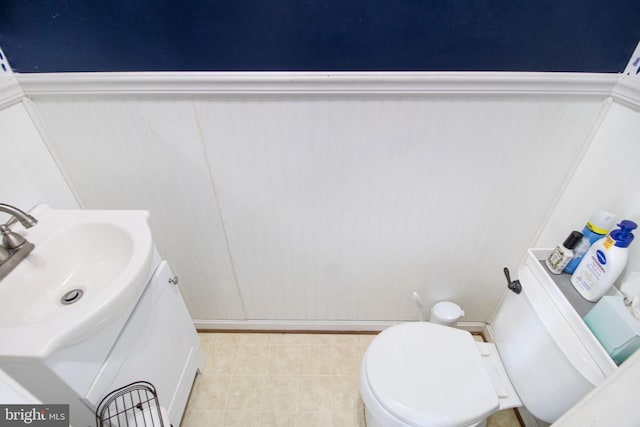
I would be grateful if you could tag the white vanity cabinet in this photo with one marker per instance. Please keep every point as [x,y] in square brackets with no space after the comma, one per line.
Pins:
[154,340]
[94,308]
[158,344]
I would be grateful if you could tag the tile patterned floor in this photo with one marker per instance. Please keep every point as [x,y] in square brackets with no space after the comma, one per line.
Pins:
[292,380]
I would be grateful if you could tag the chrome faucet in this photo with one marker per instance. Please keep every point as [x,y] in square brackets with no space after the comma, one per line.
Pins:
[18,215]
[14,247]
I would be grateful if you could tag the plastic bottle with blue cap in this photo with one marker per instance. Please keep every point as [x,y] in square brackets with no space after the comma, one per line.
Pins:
[596,228]
[603,263]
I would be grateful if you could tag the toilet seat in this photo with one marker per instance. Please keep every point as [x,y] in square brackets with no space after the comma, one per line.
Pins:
[429,375]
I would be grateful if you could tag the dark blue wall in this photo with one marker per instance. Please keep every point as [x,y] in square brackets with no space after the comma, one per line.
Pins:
[319,35]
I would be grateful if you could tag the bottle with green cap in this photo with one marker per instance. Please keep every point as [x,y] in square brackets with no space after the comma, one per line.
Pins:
[603,263]
[597,227]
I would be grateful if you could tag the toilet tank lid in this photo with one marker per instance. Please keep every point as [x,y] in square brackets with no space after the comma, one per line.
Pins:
[428,374]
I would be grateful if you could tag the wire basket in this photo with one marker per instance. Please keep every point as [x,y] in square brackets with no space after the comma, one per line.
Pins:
[134,405]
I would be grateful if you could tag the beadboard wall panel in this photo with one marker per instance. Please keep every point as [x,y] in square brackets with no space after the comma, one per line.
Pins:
[341,208]
[137,154]
[327,207]
[29,174]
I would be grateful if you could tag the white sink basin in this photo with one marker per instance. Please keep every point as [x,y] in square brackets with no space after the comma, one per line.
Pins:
[87,268]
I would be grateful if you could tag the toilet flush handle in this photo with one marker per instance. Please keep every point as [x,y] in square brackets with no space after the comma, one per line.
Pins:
[514,285]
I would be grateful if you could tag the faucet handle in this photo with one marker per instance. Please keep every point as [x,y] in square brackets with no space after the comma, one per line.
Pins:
[11,240]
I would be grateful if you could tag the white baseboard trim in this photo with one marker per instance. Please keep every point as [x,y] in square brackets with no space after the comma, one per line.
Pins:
[488,333]
[477,327]
[292,325]
[311,325]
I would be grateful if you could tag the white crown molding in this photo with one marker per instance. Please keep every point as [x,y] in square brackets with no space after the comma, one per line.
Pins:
[624,89]
[10,92]
[627,91]
[194,84]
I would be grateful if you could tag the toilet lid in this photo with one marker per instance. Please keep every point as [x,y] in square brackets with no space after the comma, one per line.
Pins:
[429,375]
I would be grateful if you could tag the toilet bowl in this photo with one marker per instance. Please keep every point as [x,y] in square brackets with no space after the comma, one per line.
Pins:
[425,374]
[421,374]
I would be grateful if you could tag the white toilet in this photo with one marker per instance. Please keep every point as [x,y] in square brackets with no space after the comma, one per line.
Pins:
[423,374]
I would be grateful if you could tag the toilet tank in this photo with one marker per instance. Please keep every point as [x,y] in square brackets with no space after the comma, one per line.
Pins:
[549,354]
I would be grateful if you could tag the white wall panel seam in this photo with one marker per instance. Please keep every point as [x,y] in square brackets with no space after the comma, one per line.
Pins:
[219,208]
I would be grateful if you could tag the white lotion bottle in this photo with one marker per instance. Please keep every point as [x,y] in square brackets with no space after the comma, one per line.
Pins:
[603,263]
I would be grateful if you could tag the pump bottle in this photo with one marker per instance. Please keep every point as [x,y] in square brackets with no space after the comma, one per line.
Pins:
[604,262]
